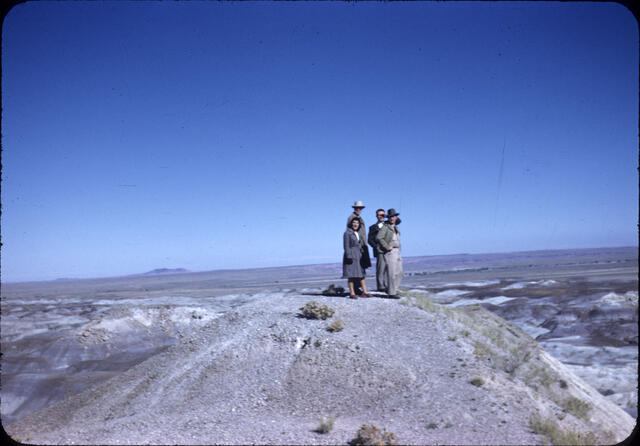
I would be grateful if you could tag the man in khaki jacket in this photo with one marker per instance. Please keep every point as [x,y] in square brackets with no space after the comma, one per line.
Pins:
[388,240]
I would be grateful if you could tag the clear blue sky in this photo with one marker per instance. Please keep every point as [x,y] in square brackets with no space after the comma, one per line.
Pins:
[206,135]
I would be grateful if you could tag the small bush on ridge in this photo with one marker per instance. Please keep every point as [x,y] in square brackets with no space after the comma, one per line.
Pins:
[313,310]
[370,435]
[577,407]
[326,425]
[336,326]
[558,436]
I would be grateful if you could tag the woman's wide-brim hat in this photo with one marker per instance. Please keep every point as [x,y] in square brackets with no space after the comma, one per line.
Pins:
[358,204]
[391,212]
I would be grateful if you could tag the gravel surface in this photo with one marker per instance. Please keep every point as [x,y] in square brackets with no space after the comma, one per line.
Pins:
[261,374]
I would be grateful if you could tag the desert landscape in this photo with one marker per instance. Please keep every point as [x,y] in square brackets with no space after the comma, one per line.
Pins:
[517,348]
[177,181]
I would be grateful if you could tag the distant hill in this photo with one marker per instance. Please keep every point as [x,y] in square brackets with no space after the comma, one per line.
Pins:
[159,271]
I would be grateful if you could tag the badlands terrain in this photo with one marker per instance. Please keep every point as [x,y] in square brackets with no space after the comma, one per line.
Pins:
[518,348]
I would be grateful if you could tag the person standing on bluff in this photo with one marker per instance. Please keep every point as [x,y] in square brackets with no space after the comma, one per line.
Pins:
[381,273]
[353,267]
[388,240]
[357,210]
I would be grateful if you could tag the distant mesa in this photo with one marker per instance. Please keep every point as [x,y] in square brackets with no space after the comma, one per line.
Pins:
[159,271]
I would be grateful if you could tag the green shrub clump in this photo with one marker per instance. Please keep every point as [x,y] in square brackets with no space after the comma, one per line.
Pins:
[370,435]
[313,310]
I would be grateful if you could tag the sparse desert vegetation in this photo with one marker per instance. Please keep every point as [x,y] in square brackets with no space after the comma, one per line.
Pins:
[577,407]
[337,325]
[314,310]
[392,364]
[506,348]
[555,435]
[370,435]
[326,425]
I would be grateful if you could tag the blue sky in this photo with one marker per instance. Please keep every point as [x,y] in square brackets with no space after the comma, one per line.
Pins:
[207,135]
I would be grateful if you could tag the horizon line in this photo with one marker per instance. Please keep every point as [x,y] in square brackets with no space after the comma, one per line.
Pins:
[186,271]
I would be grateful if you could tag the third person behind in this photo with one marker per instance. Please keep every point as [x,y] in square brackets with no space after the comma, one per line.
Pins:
[381,273]
[388,240]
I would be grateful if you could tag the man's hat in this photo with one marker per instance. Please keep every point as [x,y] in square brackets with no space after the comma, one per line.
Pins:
[391,212]
[358,204]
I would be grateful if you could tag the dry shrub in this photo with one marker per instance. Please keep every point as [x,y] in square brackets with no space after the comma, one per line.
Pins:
[577,407]
[313,310]
[370,435]
[326,425]
[557,436]
[336,326]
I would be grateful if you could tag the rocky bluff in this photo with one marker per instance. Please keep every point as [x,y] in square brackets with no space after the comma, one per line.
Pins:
[262,373]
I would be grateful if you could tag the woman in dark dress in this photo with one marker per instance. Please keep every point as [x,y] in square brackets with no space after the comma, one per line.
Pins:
[353,260]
